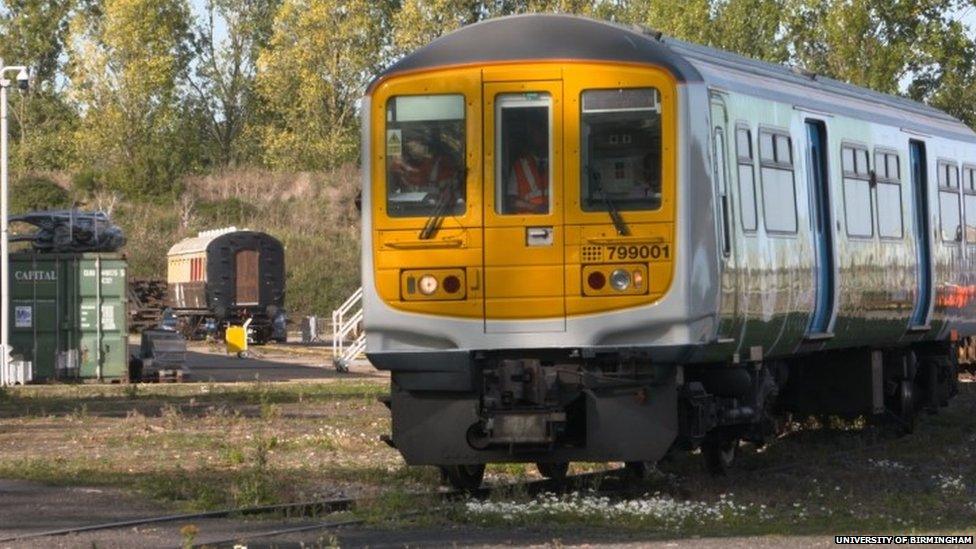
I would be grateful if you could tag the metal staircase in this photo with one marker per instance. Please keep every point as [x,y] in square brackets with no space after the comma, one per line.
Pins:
[347,322]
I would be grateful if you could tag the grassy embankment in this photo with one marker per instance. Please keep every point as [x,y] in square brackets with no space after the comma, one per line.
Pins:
[204,446]
[312,213]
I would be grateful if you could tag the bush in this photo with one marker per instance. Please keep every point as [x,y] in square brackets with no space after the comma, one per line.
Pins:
[35,193]
[86,182]
[228,211]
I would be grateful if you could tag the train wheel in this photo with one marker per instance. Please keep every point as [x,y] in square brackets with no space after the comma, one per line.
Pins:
[466,478]
[640,470]
[719,451]
[553,471]
[905,407]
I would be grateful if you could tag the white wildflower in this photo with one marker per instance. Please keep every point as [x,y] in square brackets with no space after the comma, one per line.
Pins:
[950,484]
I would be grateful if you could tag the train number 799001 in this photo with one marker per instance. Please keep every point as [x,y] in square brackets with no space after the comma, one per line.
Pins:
[639,251]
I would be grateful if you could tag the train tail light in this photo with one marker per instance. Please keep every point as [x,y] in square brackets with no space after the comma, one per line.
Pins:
[452,284]
[596,280]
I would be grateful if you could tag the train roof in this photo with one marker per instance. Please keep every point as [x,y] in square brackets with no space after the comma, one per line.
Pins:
[564,37]
[203,239]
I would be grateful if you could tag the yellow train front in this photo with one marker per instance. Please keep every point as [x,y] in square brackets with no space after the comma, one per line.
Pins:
[498,276]
[583,242]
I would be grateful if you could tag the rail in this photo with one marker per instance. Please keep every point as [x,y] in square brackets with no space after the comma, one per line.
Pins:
[346,321]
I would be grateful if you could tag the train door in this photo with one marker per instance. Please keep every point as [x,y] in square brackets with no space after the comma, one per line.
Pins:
[523,219]
[247,277]
[920,208]
[819,184]
[730,324]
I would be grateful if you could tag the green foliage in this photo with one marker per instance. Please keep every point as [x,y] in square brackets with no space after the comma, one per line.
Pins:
[224,78]
[126,61]
[35,193]
[228,211]
[86,182]
[319,58]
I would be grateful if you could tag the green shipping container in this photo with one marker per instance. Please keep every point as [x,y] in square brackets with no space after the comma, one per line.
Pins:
[68,315]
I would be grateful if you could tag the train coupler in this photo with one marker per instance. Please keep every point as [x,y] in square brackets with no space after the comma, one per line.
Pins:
[531,428]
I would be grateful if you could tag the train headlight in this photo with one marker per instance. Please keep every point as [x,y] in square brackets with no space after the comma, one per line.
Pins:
[620,280]
[427,285]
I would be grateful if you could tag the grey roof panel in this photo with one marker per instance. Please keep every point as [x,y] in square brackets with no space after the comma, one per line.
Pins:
[701,54]
[528,37]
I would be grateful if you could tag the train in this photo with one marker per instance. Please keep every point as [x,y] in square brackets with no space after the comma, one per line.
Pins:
[590,242]
[226,277]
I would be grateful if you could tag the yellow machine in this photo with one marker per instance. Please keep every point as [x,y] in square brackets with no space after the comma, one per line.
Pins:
[236,339]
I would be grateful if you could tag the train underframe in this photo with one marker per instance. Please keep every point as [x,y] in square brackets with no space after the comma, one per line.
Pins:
[557,406]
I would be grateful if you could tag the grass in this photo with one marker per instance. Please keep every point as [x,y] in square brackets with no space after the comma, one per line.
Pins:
[204,446]
[209,446]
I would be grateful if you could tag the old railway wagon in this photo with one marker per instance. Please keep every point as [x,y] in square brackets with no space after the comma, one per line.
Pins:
[227,276]
[589,242]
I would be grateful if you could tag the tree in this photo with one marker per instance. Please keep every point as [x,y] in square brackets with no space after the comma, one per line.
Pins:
[321,55]
[870,43]
[749,27]
[224,79]
[946,77]
[125,62]
[34,33]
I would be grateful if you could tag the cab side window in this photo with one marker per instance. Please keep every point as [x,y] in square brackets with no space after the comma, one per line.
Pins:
[858,210]
[747,178]
[969,202]
[951,222]
[778,187]
[887,169]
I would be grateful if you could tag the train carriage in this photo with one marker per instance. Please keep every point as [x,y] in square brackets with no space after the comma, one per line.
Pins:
[590,242]
[227,276]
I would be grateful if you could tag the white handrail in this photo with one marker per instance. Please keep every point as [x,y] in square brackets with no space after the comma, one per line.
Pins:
[342,326]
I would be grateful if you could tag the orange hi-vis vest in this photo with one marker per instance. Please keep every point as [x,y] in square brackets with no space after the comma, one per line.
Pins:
[532,184]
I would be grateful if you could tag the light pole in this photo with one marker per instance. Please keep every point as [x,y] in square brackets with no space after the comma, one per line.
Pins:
[22,80]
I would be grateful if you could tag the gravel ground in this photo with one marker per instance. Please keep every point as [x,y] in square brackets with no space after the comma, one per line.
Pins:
[287,362]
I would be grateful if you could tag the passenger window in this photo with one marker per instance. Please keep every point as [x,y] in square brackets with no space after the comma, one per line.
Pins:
[779,191]
[888,172]
[949,202]
[747,179]
[523,169]
[425,143]
[620,132]
[858,211]
[969,202]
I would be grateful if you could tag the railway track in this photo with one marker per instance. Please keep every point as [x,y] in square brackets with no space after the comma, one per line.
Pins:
[316,509]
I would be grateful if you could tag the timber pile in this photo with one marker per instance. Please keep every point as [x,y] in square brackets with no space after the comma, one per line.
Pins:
[147,299]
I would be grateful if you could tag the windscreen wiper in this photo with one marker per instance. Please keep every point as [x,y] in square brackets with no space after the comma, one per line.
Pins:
[618,220]
[445,202]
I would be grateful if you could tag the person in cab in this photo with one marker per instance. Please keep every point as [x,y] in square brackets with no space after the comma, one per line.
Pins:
[423,167]
[528,180]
